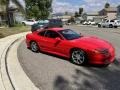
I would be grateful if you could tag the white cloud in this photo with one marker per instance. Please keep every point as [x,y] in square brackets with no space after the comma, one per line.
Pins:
[94,5]
[95,1]
[22,2]
[88,5]
[63,7]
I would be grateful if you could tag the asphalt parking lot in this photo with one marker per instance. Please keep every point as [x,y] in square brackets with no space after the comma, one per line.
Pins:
[49,72]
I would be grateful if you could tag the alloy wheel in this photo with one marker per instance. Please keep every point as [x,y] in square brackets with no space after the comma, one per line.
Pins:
[78,57]
[34,47]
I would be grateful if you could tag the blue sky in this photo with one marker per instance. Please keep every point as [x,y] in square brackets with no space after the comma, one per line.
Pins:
[88,5]
[73,5]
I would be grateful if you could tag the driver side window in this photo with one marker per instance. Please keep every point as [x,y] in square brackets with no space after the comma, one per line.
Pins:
[42,33]
[52,34]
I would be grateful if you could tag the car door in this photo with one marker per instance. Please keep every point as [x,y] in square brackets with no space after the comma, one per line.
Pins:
[49,41]
[41,39]
[56,43]
[105,23]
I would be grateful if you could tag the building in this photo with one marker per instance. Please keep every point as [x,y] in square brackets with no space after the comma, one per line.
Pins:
[2,15]
[79,20]
[98,19]
[118,12]
[90,16]
[15,15]
[19,17]
[110,13]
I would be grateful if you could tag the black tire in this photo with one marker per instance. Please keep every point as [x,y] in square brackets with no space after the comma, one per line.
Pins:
[79,58]
[105,65]
[24,24]
[99,25]
[115,26]
[34,46]
[103,26]
[61,26]
[110,26]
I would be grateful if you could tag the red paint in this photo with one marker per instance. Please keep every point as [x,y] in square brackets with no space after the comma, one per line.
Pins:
[62,47]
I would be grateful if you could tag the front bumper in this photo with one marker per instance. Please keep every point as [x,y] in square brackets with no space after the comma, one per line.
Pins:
[102,58]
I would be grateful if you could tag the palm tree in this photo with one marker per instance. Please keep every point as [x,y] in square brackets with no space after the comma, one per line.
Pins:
[9,12]
[107,5]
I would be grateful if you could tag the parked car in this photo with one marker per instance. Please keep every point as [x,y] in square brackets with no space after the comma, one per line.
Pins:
[29,22]
[85,23]
[92,23]
[108,23]
[68,23]
[117,22]
[55,23]
[77,48]
[89,23]
[41,24]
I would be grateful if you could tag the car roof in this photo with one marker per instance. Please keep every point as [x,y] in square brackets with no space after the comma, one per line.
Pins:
[55,29]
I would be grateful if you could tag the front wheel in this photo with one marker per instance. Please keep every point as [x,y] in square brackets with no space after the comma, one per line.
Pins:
[34,46]
[110,26]
[99,25]
[78,57]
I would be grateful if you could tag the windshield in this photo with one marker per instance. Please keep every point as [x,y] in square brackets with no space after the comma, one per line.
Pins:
[69,34]
[43,22]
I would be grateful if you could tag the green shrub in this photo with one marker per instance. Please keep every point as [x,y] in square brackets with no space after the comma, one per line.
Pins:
[18,25]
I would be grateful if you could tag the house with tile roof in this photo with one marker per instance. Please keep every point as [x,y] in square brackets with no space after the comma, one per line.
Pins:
[15,15]
[118,12]
[90,16]
[110,13]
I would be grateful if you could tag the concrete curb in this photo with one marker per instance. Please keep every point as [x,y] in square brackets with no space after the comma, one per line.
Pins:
[6,84]
[12,76]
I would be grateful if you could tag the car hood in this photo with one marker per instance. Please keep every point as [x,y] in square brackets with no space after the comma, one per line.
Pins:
[91,43]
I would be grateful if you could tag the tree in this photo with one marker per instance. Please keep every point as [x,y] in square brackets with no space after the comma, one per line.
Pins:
[9,13]
[38,9]
[80,11]
[66,13]
[84,16]
[76,14]
[72,19]
[107,5]
[118,10]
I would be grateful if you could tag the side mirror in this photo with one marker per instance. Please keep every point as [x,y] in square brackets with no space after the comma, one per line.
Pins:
[58,39]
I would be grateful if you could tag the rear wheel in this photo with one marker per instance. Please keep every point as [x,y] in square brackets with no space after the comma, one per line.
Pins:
[115,26]
[34,46]
[78,57]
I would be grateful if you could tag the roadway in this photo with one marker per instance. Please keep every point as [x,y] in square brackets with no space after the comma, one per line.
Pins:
[54,73]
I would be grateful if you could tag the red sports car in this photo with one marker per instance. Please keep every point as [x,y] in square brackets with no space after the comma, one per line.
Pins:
[67,43]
